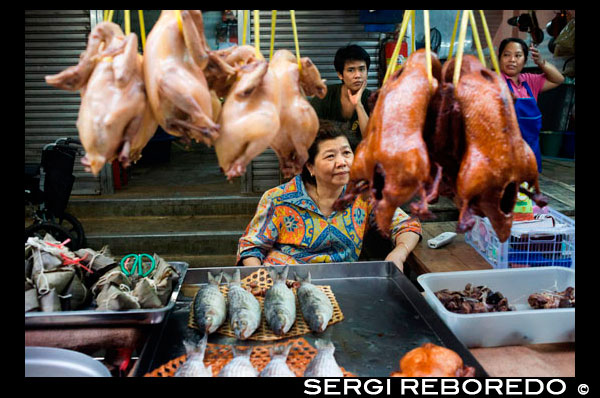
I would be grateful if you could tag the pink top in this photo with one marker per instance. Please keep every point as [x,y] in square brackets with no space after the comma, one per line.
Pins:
[534,80]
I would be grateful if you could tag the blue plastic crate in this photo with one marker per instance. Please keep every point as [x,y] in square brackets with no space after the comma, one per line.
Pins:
[542,248]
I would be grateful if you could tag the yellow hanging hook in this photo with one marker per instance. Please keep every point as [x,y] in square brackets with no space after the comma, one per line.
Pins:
[293,15]
[461,46]
[476,38]
[490,45]
[428,46]
[273,19]
[394,58]
[453,35]
[142,28]
[245,27]
[257,33]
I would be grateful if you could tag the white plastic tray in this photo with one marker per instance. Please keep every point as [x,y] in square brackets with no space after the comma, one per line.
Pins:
[522,326]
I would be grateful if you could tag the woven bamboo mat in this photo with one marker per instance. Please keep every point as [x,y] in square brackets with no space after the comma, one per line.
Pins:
[262,280]
[219,355]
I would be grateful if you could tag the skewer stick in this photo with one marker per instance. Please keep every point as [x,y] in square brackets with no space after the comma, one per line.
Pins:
[127,22]
[476,38]
[293,15]
[394,58]
[428,46]
[273,19]
[461,46]
[488,39]
[453,34]
[245,27]
[142,28]
[256,33]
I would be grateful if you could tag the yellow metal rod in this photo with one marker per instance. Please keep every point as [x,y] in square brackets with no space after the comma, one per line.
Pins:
[127,22]
[293,16]
[273,20]
[428,46]
[142,28]
[105,15]
[394,59]
[461,46]
[490,44]
[476,38]
[453,34]
[110,15]
[412,32]
[245,27]
[256,33]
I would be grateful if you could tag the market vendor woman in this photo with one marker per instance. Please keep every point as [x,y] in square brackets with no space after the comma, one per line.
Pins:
[295,222]
[347,101]
[526,87]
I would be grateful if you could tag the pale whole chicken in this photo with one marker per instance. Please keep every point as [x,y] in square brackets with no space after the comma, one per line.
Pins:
[114,118]
[249,118]
[298,120]
[174,58]
[496,160]
[392,164]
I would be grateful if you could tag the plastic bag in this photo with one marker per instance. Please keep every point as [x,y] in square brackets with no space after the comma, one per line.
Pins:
[565,42]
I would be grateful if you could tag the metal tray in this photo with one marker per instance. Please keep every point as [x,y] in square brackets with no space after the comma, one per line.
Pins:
[94,318]
[58,362]
[385,316]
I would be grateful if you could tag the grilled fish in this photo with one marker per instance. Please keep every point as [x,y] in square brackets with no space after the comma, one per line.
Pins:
[277,367]
[194,365]
[280,303]
[209,305]
[315,305]
[244,308]
[240,365]
[323,364]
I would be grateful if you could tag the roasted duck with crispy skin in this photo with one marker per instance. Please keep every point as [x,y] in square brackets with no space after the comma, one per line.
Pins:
[431,360]
[114,119]
[298,120]
[496,159]
[174,58]
[392,164]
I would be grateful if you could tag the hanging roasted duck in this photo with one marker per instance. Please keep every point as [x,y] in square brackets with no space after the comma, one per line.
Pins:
[115,119]
[391,164]
[175,56]
[496,159]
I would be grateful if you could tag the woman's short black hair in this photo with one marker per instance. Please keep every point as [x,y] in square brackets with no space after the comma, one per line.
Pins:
[504,42]
[327,131]
[352,52]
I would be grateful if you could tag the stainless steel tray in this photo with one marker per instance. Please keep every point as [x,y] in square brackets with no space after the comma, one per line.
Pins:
[95,318]
[58,362]
[385,316]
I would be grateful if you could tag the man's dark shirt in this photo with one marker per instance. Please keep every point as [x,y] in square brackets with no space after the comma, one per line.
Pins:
[330,108]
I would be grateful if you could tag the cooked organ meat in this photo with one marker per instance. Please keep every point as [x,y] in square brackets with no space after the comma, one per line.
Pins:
[392,164]
[114,119]
[174,58]
[473,299]
[496,159]
[553,299]
[431,360]
[298,120]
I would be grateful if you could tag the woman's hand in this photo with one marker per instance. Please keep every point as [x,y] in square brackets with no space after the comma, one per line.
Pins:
[536,56]
[397,257]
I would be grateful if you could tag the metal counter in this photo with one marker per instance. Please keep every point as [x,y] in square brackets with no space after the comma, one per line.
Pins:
[385,316]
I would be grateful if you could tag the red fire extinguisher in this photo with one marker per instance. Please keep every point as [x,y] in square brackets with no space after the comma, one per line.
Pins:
[387,49]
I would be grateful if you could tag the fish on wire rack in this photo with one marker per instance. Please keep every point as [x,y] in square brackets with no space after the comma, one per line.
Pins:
[314,304]
[324,363]
[244,309]
[194,364]
[210,308]
[277,366]
[240,365]
[280,302]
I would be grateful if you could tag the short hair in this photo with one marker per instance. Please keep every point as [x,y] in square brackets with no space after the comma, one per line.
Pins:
[328,130]
[504,42]
[352,52]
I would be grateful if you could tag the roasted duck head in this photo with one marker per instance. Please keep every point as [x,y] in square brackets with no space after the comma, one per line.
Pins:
[114,119]
[496,159]
[175,56]
[431,360]
[298,120]
[391,164]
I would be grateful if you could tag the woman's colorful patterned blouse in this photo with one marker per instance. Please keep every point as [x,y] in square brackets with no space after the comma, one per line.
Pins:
[288,228]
